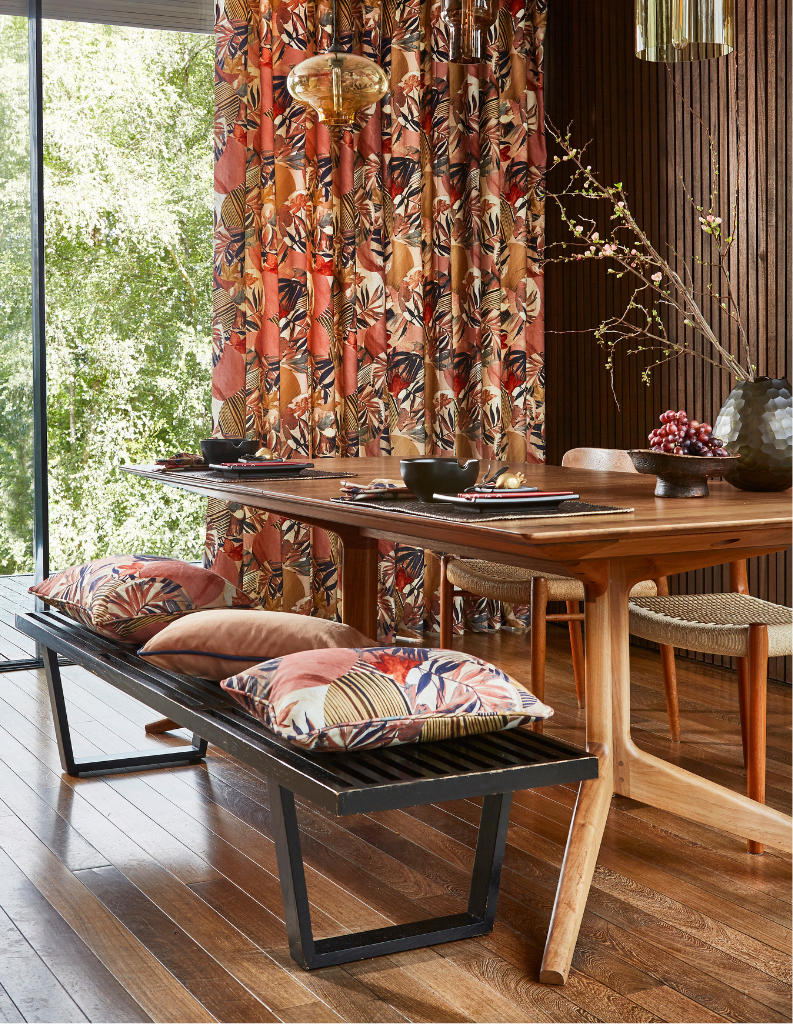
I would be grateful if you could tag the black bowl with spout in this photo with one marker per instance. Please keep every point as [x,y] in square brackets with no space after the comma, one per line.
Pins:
[426,477]
[228,449]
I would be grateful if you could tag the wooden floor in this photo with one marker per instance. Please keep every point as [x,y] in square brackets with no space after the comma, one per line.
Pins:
[154,895]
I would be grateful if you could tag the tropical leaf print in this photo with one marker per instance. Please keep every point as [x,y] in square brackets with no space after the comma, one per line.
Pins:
[341,699]
[437,194]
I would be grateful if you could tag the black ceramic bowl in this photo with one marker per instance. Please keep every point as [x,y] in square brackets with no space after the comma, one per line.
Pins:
[425,477]
[681,476]
[228,449]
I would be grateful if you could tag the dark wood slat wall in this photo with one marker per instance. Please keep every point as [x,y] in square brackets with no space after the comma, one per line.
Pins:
[643,136]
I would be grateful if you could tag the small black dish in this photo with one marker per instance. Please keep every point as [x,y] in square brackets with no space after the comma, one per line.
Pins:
[425,477]
[228,449]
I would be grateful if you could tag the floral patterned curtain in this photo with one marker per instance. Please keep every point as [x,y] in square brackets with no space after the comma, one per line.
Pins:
[438,192]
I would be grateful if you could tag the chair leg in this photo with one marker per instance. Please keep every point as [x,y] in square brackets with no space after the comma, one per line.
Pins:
[743,705]
[539,603]
[758,685]
[670,690]
[670,675]
[577,648]
[447,606]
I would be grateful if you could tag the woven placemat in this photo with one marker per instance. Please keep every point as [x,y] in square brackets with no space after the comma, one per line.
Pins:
[437,510]
[213,474]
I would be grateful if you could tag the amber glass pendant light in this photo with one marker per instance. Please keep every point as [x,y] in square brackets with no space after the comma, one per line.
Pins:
[336,83]
[468,22]
[681,30]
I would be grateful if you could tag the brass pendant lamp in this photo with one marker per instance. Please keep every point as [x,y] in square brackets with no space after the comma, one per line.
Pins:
[468,22]
[683,30]
[336,83]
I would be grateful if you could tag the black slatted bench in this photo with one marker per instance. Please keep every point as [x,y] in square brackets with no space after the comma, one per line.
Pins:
[490,766]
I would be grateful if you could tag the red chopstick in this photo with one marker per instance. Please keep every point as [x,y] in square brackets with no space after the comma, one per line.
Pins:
[518,494]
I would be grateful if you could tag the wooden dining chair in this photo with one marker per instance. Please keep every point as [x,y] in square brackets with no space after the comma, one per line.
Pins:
[734,624]
[528,586]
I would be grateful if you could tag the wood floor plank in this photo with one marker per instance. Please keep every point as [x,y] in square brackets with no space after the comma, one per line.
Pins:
[639,876]
[348,997]
[660,852]
[149,983]
[593,997]
[763,987]
[308,1013]
[672,1006]
[202,976]
[70,847]
[29,985]
[9,1012]
[391,984]
[201,821]
[363,888]
[476,1000]
[242,960]
[89,983]
[773,861]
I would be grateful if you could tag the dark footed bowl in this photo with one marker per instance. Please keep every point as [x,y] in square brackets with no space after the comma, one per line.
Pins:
[228,449]
[425,477]
[681,476]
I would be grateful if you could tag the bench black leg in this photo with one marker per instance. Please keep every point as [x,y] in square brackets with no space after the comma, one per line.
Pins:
[134,759]
[342,949]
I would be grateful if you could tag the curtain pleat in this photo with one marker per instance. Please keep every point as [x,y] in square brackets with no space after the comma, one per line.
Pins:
[437,195]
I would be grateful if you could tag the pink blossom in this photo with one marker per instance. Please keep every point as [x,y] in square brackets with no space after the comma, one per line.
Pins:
[657,277]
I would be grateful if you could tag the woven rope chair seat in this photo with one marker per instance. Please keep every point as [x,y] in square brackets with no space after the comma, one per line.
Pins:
[712,623]
[513,585]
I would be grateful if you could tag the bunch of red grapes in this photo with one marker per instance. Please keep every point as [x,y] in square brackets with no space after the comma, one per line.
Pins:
[681,436]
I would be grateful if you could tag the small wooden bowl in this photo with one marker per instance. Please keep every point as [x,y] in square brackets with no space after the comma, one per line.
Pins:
[681,476]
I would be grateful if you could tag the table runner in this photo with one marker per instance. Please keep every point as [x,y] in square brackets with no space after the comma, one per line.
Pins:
[213,474]
[437,510]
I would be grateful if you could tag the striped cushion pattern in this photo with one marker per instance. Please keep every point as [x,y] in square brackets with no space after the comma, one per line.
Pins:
[353,699]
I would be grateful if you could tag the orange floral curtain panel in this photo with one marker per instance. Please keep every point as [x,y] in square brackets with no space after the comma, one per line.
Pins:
[438,192]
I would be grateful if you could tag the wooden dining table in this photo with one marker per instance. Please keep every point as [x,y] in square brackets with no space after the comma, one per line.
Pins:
[609,554]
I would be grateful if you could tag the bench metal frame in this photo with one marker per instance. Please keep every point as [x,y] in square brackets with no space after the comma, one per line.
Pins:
[490,765]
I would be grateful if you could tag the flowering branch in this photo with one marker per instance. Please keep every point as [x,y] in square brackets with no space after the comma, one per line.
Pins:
[658,284]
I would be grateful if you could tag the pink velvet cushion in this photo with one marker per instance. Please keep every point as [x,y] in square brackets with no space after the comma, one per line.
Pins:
[221,642]
[132,597]
[383,696]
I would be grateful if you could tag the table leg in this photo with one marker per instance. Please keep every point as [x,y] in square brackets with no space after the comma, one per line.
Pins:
[359,582]
[594,798]
[647,778]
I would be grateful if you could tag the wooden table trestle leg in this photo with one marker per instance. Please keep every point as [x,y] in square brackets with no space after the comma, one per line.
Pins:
[594,796]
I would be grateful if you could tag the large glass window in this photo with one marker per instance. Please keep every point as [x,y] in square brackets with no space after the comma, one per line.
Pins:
[128,119]
[16,359]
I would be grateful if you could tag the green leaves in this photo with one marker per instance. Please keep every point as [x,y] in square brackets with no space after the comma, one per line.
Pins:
[128,122]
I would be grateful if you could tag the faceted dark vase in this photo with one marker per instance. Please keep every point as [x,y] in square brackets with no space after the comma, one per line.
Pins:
[757,422]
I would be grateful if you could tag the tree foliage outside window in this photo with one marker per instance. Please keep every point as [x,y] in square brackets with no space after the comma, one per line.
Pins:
[128,120]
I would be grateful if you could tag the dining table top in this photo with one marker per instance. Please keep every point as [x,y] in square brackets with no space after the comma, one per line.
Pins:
[725,521]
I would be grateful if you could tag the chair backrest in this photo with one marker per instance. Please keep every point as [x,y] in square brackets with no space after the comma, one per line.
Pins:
[610,460]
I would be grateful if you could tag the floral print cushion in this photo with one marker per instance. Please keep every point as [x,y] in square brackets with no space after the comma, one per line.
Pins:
[132,597]
[354,699]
